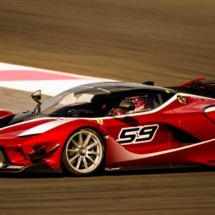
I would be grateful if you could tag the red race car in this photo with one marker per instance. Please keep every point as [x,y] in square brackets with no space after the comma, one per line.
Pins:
[113,126]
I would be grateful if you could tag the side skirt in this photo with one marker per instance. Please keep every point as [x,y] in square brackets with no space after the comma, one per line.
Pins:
[160,167]
[37,168]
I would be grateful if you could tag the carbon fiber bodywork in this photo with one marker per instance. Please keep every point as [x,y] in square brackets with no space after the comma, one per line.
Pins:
[197,87]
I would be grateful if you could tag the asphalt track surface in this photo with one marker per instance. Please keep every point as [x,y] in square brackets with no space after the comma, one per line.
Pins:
[164,40]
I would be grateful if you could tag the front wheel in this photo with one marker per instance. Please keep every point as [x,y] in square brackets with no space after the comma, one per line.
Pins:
[84,153]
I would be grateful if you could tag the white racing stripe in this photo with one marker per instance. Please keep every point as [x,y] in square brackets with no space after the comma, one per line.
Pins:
[25,122]
[43,128]
[177,149]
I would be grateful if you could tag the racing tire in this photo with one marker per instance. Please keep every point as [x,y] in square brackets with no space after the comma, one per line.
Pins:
[84,153]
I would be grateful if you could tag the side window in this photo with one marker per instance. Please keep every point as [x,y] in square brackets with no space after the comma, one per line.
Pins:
[152,101]
[142,103]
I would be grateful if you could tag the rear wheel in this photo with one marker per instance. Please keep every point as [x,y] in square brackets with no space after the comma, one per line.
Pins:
[84,153]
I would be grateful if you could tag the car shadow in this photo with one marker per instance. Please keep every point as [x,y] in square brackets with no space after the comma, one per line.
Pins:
[32,175]
[60,174]
[160,171]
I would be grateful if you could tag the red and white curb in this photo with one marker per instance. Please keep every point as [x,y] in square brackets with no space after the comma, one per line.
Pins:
[32,79]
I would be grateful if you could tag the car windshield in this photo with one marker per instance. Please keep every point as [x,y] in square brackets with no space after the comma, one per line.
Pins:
[75,98]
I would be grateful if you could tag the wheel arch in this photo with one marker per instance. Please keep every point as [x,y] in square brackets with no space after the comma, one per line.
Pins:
[101,130]
[85,127]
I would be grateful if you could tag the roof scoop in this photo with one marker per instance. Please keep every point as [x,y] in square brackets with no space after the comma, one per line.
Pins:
[150,83]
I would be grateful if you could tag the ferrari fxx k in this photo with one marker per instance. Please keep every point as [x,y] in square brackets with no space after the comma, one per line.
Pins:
[112,126]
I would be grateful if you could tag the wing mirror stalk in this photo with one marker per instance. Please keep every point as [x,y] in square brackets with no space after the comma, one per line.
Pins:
[36,96]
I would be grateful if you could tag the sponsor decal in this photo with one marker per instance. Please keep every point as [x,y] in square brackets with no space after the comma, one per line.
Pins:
[167,91]
[106,136]
[137,135]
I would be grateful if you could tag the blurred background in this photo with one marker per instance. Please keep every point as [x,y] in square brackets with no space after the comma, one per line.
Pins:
[165,41]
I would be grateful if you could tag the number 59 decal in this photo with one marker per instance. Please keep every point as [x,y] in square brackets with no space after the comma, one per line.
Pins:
[137,134]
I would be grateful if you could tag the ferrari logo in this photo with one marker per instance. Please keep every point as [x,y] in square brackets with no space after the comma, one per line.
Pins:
[167,91]
[100,121]
[182,100]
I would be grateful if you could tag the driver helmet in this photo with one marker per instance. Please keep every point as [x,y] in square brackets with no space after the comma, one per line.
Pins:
[139,103]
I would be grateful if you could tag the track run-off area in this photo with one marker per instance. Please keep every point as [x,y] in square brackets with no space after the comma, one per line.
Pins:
[165,41]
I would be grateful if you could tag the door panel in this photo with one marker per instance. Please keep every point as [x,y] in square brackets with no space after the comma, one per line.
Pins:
[144,134]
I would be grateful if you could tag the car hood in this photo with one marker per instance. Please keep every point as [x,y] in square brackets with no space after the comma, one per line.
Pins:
[16,129]
[27,124]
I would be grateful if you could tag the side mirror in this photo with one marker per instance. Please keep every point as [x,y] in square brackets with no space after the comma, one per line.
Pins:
[36,96]
[127,105]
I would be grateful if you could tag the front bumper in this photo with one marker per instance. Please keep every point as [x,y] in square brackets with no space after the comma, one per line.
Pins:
[6,167]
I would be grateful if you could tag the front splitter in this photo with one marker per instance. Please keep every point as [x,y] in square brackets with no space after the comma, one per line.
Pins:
[42,167]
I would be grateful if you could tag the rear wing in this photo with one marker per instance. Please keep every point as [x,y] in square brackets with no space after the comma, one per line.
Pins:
[197,86]
[193,81]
